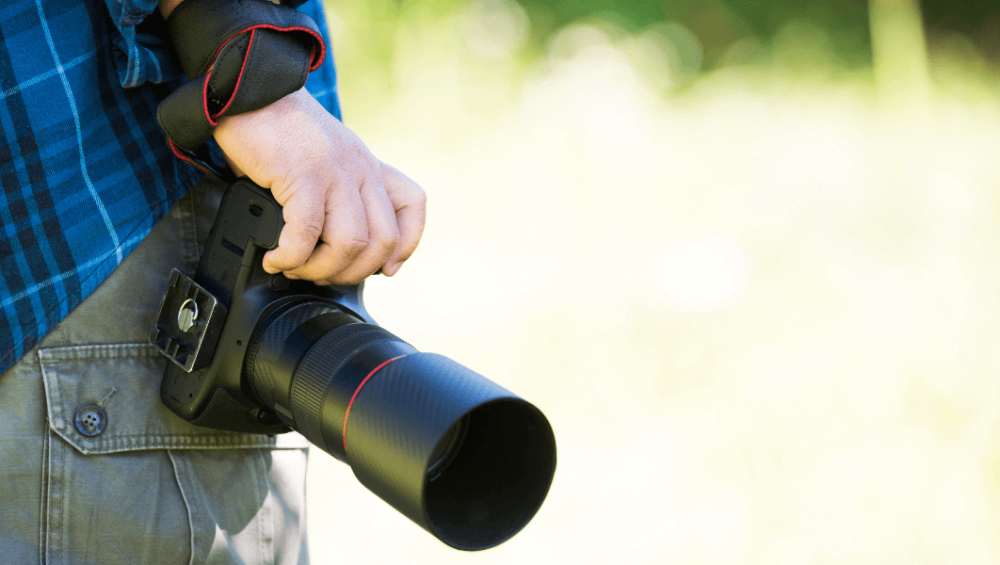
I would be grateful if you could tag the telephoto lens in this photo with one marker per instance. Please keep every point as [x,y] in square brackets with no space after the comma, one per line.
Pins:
[462,457]
[253,352]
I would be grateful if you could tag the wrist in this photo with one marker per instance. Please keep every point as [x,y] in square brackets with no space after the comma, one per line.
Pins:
[240,57]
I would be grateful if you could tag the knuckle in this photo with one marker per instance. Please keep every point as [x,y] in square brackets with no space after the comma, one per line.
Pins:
[387,243]
[357,153]
[354,247]
[310,232]
[418,198]
[298,256]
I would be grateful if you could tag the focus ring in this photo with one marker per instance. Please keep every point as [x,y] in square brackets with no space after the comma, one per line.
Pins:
[264,364]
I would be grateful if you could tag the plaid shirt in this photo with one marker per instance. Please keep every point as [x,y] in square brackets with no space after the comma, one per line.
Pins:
[85,170]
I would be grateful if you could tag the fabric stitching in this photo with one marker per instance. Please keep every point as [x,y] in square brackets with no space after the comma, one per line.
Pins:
[51,358]
[187,505]
[43,511]
[224,56]
[163,441]
[61,502]
[55,355]
[239,79]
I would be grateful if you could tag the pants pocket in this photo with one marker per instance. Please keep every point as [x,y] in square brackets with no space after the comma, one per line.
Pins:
[244,506]
[127,481]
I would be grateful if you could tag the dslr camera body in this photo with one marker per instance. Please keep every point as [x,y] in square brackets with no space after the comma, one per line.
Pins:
[253,352]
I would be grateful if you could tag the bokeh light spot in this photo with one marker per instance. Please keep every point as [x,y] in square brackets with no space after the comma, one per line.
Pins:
[701,275]
[493,28]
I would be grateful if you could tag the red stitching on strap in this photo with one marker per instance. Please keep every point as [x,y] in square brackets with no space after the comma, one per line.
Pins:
[312,52]
[183,156]
[204,99]
[315,62]
[239,80]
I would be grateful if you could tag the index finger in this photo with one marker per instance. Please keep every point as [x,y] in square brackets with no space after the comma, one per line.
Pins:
[410,203]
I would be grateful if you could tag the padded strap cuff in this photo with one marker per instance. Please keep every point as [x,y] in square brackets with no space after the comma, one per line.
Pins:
[262,53]
[200,28]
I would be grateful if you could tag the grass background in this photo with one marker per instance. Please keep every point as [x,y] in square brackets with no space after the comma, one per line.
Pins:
[752,281]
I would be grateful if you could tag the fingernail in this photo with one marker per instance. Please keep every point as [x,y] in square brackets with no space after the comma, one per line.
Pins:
[291,277]
[391,270]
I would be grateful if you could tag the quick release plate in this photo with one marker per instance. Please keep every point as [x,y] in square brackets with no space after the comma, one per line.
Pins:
[188,323]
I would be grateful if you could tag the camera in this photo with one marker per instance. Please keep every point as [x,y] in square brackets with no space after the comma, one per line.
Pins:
[253,352]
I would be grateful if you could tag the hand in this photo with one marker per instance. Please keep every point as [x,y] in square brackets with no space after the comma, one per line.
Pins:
[347,214]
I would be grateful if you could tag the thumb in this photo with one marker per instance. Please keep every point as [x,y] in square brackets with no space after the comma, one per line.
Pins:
[304,216]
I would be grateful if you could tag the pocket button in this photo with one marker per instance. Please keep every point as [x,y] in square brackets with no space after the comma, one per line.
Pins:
[90,420]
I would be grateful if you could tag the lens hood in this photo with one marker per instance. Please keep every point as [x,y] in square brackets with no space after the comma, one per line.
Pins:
[496,464]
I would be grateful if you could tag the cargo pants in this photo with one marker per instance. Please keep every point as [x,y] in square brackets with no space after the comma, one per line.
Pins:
[95,470]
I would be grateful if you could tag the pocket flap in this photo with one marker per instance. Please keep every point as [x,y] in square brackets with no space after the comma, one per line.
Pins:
[123,381]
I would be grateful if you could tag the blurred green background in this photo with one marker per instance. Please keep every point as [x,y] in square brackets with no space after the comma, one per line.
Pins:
[743,254]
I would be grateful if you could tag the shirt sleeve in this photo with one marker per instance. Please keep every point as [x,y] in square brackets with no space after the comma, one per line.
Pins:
[322,83]
[142,52]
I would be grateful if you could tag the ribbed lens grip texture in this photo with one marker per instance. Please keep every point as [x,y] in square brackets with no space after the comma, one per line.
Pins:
[315,374]
[264,352]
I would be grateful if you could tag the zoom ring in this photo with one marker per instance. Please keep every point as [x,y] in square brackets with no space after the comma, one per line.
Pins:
[316,375]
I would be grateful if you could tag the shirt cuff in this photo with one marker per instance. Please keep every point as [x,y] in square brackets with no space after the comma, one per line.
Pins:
[142,53]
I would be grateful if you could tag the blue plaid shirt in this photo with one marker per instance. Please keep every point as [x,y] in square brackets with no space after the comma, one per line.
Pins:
[85,170]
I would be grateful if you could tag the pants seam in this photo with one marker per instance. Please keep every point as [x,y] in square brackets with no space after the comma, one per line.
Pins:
[43,511]
[184,497]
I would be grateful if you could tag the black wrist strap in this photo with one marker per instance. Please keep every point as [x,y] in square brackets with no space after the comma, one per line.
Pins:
[240,56]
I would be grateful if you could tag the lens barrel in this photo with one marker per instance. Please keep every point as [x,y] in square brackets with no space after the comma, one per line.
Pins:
[456,453]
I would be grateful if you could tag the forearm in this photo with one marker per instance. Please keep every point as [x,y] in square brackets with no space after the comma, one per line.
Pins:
[347,214]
